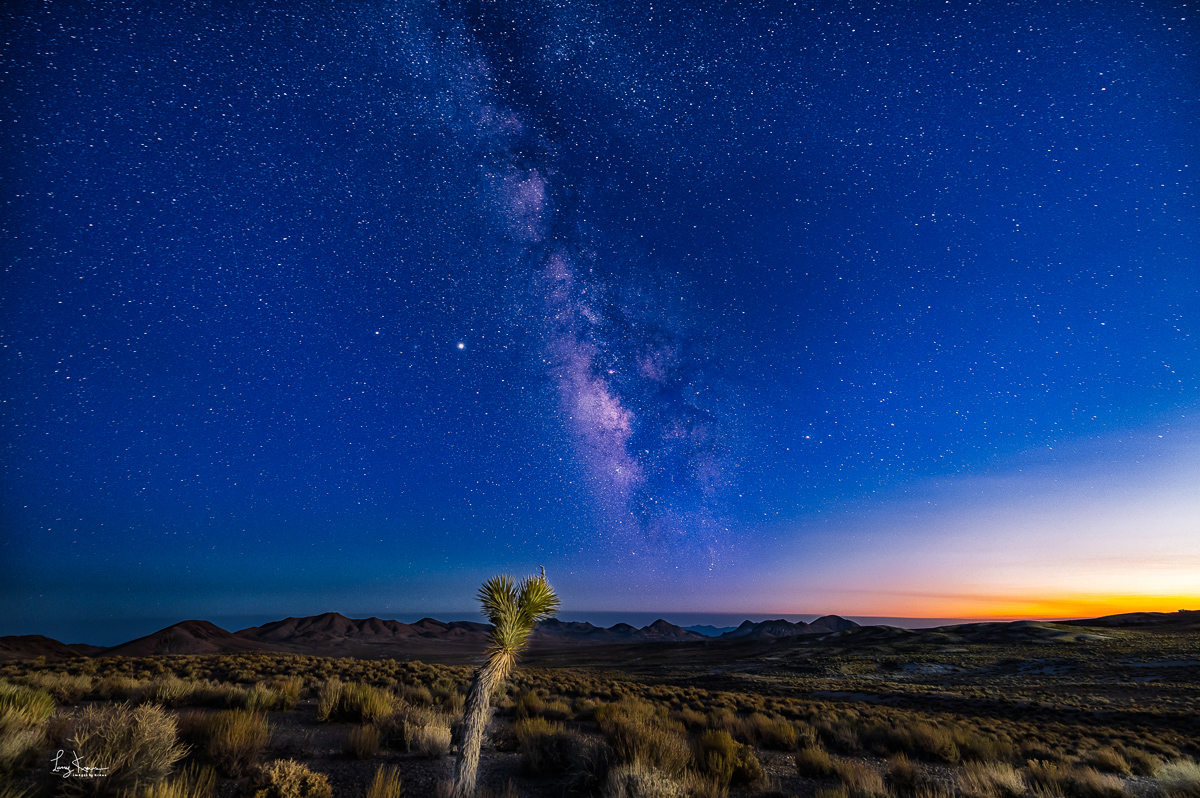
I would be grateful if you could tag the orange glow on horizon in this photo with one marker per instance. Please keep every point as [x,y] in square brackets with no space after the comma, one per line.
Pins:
[1010,608]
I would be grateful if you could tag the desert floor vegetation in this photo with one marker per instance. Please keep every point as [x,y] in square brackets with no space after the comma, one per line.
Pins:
[1113,717]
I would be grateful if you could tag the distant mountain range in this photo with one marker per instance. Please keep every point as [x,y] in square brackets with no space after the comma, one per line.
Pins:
[333,634]
[782,628]
[708,630]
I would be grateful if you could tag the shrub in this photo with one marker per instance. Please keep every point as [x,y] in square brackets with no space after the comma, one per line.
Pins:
[640,781]
[776,733]
[590,762]
[386,784]
[236,738]
[362,742]
[545,747]
[288,778]
[416,694]
[557,709]
[814,763]
[529,705]
[135,744]
[726,761]
[1180,777]
[990,780]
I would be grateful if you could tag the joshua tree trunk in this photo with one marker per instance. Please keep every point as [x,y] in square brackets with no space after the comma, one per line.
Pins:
[476,715]
[513,611]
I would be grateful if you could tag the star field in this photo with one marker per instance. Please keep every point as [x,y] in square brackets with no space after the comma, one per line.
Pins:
[311,307]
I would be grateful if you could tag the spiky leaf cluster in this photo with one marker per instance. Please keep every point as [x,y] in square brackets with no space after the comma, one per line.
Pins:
[513,609]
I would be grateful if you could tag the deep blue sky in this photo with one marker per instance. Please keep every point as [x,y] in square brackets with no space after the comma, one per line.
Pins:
[745,307]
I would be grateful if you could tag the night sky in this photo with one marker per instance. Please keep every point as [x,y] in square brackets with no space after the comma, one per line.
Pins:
[748,307]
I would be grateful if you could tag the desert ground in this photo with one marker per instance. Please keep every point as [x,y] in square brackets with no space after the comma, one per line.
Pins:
[1103,708]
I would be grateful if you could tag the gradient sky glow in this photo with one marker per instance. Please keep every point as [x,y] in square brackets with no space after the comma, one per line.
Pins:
[761,308]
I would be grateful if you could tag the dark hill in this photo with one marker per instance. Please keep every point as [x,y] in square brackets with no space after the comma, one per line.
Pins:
[33,646]
[187,637]
[1183,620]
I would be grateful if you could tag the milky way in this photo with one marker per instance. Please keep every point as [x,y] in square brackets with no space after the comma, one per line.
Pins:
[627,374]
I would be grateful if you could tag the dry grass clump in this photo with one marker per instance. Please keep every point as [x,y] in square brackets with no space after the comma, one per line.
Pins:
[814,763]
[168,690]
[386,783]
[1074,781]
[934,789]
[236,738]
[288,778]
[287,691]
[135,744]
[692,720]
[990,780]
[1109,760]
[1180,778]
[903,775]
[840,734]
[1142,763]
[259,698]
[329,697]
[642,733]
[362,742]
[417,728]
[192,782]
[21,705]
[23,711]
[355,702]
[860,780]
[637,780]
[64,687]
[117,687]
[529,705]
[432,739]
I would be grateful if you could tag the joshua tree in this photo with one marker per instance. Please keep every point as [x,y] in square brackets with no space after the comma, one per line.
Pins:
[512,609]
